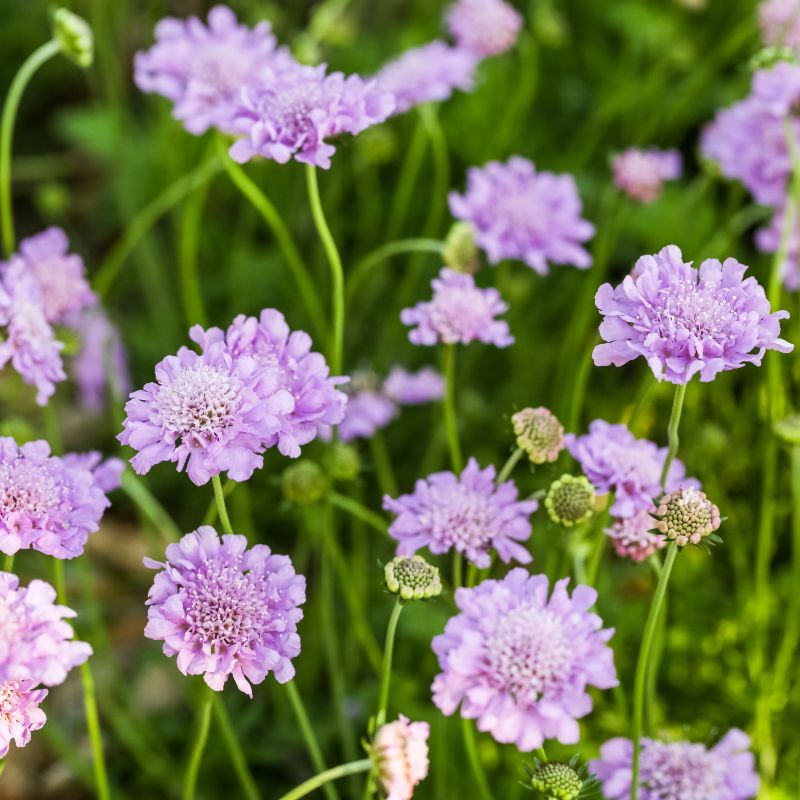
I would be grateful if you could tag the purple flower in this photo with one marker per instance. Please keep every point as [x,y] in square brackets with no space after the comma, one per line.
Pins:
[48,503]
[633,537]
[680,770]
[484,27]
[203,68]
[519,213]
[768,240]
[414,388]
[35,642]
[292,114]
[20,714]
[640,173]
[225,610]
[613,459]
[780,22]
[368,410]
[288,367]
[467,513]
[519,662]
[459,313]
[686,321]
[106,473]
[427,74]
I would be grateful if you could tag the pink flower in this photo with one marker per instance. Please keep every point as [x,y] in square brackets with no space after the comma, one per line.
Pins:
[20,714]
[401,757]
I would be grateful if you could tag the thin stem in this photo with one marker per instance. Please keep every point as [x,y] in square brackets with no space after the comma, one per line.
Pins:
[450,421]
[29,67]
[383,465]
[672,432]
[222,510]
[642,664]
[335,264]
[196,756]
[458,570]
[386,672]
[324,778]
[596,556]
[508,467]
[358,510]
[8,564]
[471,747]
[151,508]
[441,165]
[235,750]
[415,153]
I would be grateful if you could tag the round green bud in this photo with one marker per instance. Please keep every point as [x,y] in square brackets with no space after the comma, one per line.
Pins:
[343,462]
[570,500]
[74,36]
[412,577]
[460,251]
[557,781]
[304,483]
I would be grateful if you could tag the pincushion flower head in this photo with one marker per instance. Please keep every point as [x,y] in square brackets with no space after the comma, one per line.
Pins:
[484,27]
[202,68]
[223,609]
[36,643]
[640,173]
[780,22]
[686,516]
[20,714]
[539,434]
[292,114]
[459,313]
[466,513]
[519,661]
[400,754]
[635,537]
[686,321]
[413,388]
[412,577]
[368,408]
[519,213]
[680,770]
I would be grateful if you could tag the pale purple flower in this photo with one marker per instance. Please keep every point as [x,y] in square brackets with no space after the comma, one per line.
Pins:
[292,114]
[459,313]
[768,240]
[780,22]
[614,460]
[35,642]
[484,27]
[640,173]
[519,662]
[427,74]
[400,753]
[47,503]
[686,321]
[679,770]
[635,537]
[289,369]
[225,610]
[106,472]
[414,388]
[20,714]
[368,411]
[203,68]
[465,513]
[519,213]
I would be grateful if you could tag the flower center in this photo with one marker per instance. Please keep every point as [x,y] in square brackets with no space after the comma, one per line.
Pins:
[697,312]
[290,111]
[27,490]
[9,700]
[220,70]
[460,518]
[455,310]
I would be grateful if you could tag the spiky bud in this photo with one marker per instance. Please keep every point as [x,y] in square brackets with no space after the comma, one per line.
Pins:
[412,577]
[557,781]
[304,483]
[344,462]
[686,516]
[539,434]
[74,36]
[460,251]
[570,500]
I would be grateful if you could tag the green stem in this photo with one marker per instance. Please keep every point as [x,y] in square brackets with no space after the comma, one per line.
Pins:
[441,166]
[324,778]
[8,564]
[235,750]
[471,747]
[196,756]
[596,556]
[358,510]
[152,510]
[386,672]
[222,510]
[673,438]
[335,264]
[508,467]
[383,465]
[458,570]
[415,153]
[450,421]
[29,67]
[541,754]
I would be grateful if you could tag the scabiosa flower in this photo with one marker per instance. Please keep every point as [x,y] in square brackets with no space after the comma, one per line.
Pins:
[519,662]
[225,610]
[559,781]
[613,459]
[640,173]
[400,753]
[539,434]
[687,516]
[427,74]
[680,770]
[412,577]
[35,642]
[780,22]
[203,68]
[484,27]
[20,714]
[368,408]
[686,321]
[293,114]
[523,214]
[465,512]
[47,503]
[768,240]
[459,313]
[570,500]
[633,537]
[413,388]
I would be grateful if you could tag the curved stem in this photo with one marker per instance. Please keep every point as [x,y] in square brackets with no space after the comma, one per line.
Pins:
[29,67]
[324,778]
[386,672]
[235,751]
[196,756]
[508,467]
[335,263]
[383,465]
[450,421]
[672,432]
[222,509]
[474,759]
[151,508]
[358,510]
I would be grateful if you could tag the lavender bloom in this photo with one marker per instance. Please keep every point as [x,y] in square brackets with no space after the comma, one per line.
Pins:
[427,74]
[466,513]
[368,411]
[459,313]
[20,714]
[203,68]
[35,641]
[519,213]
[484,27]
[780,22]
[640,173]
[293,114]
[47,503]
[414,388]
[680,770]
[633,537]
[106,473]
[519,662]
[225,610]
[768,240]
[613,459]
[686,321]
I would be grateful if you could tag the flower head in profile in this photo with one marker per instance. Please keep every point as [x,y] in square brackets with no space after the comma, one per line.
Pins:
[413,388]
[202,68]
[484,27]
[640,173]
[519,660]
[36,643]
[223,609]
[780,22]
[465,513]
[400,755]
[768,240]
[519,213]
[634,537]
[427,74]
[368,410]
[680,770]
[539,434]
[20,714]
[459,313]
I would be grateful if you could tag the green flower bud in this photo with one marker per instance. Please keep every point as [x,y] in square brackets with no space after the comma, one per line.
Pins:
[304,483]
[570,500]
[557,781]
[74,36]
[343,462]
[412,578]
[460,251]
